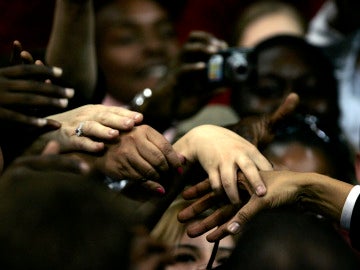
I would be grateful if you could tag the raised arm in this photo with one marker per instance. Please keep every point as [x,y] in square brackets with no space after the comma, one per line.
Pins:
[72,45]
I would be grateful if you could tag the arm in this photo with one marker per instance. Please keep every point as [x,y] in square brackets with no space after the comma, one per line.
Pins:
[72,45]
[99,124]
[184,91]
[311,191]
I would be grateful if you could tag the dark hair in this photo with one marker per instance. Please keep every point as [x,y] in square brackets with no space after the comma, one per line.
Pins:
[289,239]
[314,56]
[61,221]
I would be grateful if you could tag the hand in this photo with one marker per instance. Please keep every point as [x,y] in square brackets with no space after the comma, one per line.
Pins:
[99,123]
[311,191]
[222,153]
[19,56]
[182,93]
[137,155]
[198,48]
[46,163]
[260,130]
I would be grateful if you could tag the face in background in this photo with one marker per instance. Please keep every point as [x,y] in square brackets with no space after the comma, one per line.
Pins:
[295,156]
[270,25]
[305,144]
[282,69]
[194,253]
[136,43]
[263,19]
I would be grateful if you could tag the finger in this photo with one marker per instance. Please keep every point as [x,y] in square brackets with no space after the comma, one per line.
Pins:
[26,57]
[252,174]
[15,58]
[197,190]
[206,37]
[117,122]
[15,117]
[220,216]
[97,130]
[285,110]
[198,207]
[141,169]
[87,145]
[17,100]
[51,148]
[215,181]
[191,67]
[246,213]
[198,47]
[31,71]
[229,183]
[39,87]
[166,155]
[154,187]
[119,118]
[54,163]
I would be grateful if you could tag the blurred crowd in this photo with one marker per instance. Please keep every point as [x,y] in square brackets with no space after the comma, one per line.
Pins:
[166,135]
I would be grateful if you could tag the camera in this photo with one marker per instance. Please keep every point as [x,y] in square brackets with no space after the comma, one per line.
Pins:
[228,67]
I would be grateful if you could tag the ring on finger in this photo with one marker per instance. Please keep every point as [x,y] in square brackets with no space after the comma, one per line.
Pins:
[79,130]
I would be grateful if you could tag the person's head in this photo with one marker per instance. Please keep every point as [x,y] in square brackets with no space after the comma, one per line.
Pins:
[136,44]
[189,253]
[263,19]
[283,64]
[302,144]
[61,221]
[287,239]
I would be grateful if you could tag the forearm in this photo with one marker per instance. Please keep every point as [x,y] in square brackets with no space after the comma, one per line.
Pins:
[72,45]
[325,195]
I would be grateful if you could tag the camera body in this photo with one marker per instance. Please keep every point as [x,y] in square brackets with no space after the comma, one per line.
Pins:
[228,67]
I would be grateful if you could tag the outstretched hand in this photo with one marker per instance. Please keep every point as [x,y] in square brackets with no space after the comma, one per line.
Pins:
[260,130]
[25,89]
[221,153]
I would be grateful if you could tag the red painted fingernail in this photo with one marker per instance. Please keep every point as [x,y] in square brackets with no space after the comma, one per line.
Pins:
[160,190]
[180,170]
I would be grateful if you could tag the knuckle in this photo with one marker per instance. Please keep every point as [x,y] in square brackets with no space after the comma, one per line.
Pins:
[242,218]
[151,173]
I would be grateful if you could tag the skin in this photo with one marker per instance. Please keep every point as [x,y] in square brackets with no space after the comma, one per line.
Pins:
[267,26]
[139,42]
[312,191]
[221,165]
[194,253]
[283,71]
[297,157]
[101,122]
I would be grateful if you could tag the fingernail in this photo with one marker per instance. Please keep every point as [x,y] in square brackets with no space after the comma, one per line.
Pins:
[212,49]
[200,65]
[69,92]
[41,122]
[84,167]
[57,71]
[63,102]
[113,132]
[180,170]
[183,160]
[260,190]
[160,190]
[234,227]
[138,116]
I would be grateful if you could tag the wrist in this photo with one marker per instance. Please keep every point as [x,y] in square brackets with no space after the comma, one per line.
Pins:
[324,195]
